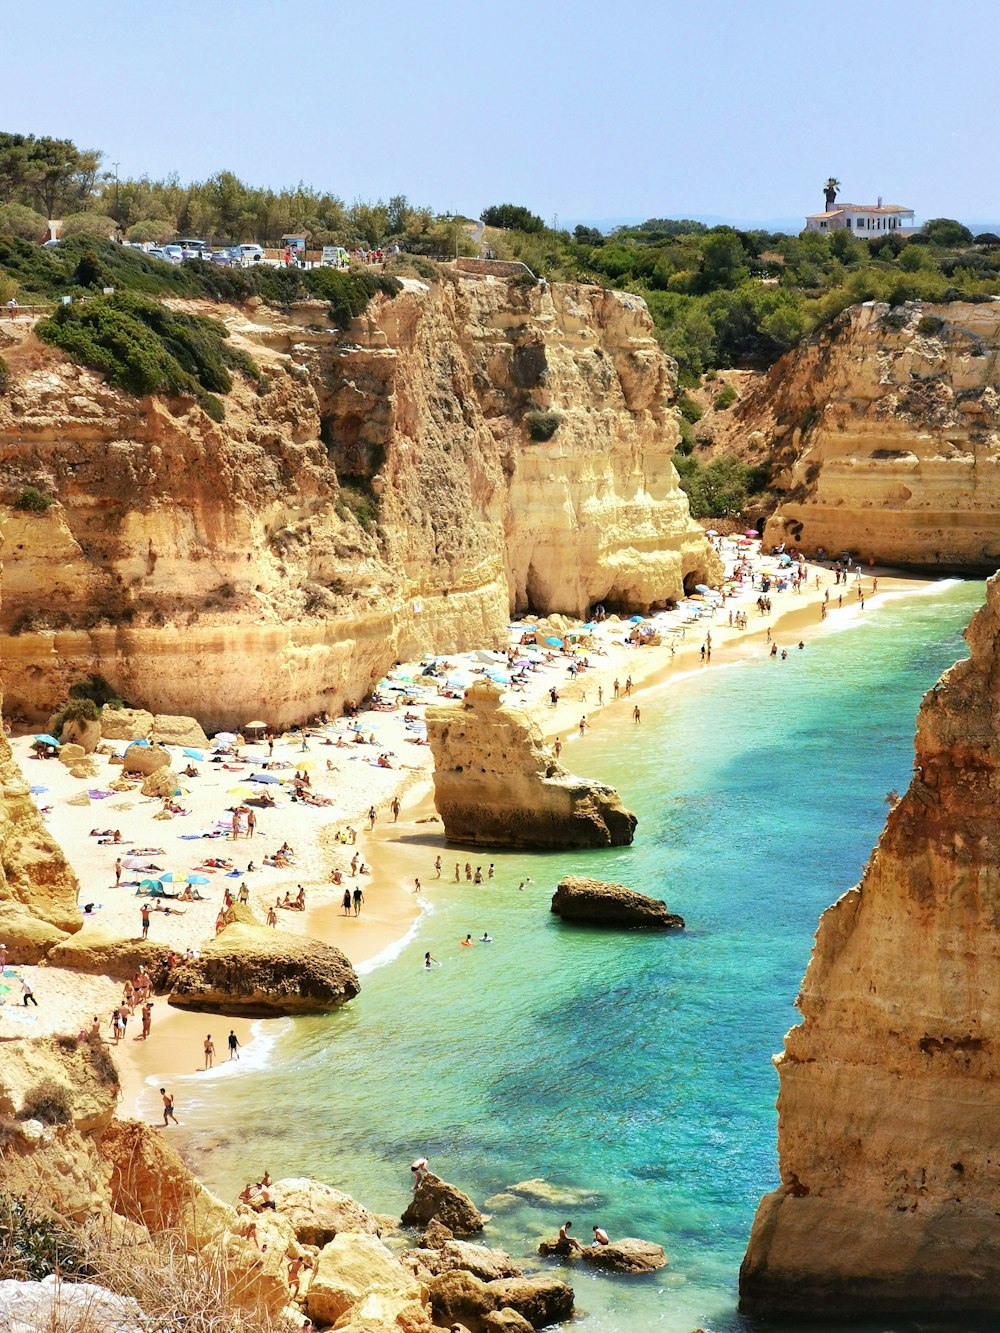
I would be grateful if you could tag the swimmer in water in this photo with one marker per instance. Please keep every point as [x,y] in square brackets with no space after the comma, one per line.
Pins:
[468,942]
[486,938]
[430,962]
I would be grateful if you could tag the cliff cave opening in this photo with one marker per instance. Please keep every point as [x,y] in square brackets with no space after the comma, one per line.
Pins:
[692,579]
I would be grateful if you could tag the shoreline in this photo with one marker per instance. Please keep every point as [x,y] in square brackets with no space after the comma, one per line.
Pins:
[399,851]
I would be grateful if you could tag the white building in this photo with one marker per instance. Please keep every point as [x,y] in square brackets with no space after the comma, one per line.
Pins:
[862,219]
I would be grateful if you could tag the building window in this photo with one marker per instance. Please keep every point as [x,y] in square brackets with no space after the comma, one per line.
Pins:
[861,222]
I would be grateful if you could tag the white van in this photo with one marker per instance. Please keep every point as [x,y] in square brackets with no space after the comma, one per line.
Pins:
[248,254]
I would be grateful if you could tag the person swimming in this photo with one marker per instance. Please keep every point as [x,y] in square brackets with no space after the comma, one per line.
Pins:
[468,942]
[486,938]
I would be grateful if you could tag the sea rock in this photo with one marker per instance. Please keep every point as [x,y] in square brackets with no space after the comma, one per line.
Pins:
[125,724]
[547,1194]
[459,1297]
[599,904]
[888,1114]
[435,1235]
[433,1198]
[248,969]
[354,1271]
[161,782]
[145,759]
[71,753]
[497,784]
[626,1255]
[318,1212]
[506,1321]
[458,1255]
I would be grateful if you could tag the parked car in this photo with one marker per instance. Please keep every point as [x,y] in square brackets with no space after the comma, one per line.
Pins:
[193,246]
[173,253]
[157,253]
[248,254]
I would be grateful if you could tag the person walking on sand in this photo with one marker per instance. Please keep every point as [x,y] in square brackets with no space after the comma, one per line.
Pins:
[359,898]
[372,816]
[272,917]
[234,1045]
[145,921]
[168,1107]
[118,871]
[27,993]
[147,1019]
[209,1048]
[394,807]
[437,867]
[636,715]
[346,902]
[416,886]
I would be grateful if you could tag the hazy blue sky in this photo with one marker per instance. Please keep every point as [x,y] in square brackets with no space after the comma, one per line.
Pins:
[584,109]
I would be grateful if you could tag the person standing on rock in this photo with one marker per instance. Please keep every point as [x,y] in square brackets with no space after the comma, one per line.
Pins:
[145,921]
[168,1107]
[209,1047]
[419,1167]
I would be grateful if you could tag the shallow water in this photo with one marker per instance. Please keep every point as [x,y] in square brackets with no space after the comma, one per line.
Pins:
[635,1067]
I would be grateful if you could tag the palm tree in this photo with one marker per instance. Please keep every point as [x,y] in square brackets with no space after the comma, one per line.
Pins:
[830,191]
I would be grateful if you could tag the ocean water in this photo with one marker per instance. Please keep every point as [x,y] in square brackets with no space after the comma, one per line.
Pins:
[634,1068]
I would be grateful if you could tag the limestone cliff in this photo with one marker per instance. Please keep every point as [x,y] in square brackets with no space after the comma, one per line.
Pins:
[376,496]
[882,431]
[889,1111]
[497,784]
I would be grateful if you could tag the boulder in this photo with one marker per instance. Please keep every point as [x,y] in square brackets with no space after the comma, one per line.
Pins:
[85,732]
[435,1235]
[356,1270]
[161,782]
[435,1198]
[84,770]
[459,1297]
[145,759]
[627,1255]
[458,1255]
[251,970]
[497,783]
[28,938]
[506,1321]
[599,904]
[171,730]
[26,1307]
[318,1213]
[71,753]
[125,724]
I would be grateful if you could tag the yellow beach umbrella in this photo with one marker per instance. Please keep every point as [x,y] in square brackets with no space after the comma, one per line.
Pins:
[307,765]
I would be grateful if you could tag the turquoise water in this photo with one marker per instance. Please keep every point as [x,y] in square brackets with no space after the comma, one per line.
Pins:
[635,1067]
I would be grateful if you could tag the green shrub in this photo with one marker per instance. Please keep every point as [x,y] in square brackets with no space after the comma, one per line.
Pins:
[49,1101]
[720,488]
[144,348]
[725,398]
[4,377]
[33,1246]
[929,325]
[33,501]
[348,293]
[690,410]
[98,690]
[685,444]
[542,425]
[361,504]
[78,709]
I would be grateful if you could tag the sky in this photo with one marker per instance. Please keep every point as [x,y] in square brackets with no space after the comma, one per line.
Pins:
[590,110]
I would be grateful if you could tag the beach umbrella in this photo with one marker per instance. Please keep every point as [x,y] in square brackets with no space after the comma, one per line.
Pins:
[197,879]
[165,876]
[751,532]
[192,754]
[48,740]
[38,791]
[635,620]
[255,726]
[555,643]
[711,532]
[269,778]
[223,738]
[305,766]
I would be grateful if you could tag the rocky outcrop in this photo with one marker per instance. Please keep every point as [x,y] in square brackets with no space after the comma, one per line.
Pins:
[318,1212]
[248,969]
[882,435]
[458,1255]
[545,1194]
[38,889]
[161,782]
[888,1115]
[145,759]
[497,784]
[597,903]
[435,1200]
[356,1273]
[378,496]
[459,1297]
[26,1307]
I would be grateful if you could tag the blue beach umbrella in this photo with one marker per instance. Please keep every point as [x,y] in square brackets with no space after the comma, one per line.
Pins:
[269,778]
[555,643]
[49,740]
[197,879]
[192,754]
[635,620]
[167,877]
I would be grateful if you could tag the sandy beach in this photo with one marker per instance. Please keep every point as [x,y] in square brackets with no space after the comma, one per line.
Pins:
[346,774]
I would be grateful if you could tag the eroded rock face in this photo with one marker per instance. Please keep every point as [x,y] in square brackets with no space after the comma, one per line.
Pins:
[383,498]
[248,969]
[356,1273]
[600,904]
[497,784]
[434,1199]
[883,432]
[318,1212]
[888,1115]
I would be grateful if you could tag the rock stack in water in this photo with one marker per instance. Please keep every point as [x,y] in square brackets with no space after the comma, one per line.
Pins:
[496,783]
[889,1102]
[595,903]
